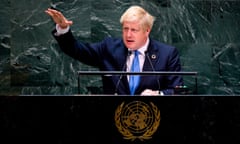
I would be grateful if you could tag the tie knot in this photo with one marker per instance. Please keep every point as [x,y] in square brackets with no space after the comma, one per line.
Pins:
[136,53]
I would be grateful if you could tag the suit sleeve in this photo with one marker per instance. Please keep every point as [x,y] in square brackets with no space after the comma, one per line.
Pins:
[84,52]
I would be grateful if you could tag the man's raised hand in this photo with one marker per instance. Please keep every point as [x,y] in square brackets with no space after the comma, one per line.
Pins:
[58,18]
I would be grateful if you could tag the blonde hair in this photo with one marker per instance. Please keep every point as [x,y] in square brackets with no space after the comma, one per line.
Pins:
[137,13]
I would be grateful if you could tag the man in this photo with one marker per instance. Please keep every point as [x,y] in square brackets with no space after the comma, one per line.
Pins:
[114,54]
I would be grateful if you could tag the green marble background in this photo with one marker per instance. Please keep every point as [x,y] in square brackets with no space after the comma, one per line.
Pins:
[206,32]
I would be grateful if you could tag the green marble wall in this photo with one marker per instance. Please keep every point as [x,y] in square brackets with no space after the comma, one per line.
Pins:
[206,32]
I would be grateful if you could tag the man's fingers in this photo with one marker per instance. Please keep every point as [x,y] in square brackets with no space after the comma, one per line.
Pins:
[48,12]
[55,13]
[52,10]
[69,22]
[149,92]
[58,18]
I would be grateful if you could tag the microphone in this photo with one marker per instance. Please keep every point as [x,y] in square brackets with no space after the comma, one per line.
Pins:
[123,69]
[153,69]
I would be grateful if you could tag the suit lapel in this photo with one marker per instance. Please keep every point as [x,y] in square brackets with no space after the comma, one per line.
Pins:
[151,57]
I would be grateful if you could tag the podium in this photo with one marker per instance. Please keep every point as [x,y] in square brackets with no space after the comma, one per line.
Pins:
[144,73]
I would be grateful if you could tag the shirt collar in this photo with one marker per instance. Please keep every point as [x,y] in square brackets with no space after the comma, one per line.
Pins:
[143,49]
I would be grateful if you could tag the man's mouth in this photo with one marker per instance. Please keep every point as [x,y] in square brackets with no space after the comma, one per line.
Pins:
[130,41]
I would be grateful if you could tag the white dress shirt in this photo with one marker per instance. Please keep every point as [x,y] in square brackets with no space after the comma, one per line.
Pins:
[141,57]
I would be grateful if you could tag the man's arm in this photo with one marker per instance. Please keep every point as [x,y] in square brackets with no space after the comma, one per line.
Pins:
[174,64]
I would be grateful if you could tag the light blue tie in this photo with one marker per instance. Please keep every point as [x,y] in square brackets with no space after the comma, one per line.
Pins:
[134,79]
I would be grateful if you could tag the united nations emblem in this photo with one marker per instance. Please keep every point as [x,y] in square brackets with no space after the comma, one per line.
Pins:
[137,120]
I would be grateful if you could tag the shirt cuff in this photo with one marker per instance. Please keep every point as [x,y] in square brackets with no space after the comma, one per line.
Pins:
[61,31]
[161,93]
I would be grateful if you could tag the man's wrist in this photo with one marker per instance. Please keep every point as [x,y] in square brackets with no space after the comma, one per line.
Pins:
[61,31]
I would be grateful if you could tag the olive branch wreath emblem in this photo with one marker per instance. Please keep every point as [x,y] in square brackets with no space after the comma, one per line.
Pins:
[127,133]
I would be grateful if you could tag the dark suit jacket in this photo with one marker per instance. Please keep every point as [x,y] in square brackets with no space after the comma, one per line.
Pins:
[111,55]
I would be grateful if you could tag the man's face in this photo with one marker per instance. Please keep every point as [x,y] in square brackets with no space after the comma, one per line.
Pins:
[133,35]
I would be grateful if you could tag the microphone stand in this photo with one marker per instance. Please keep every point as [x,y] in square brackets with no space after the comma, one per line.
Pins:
[164,73]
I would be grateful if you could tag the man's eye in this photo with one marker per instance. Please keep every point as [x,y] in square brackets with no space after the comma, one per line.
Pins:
[134,30]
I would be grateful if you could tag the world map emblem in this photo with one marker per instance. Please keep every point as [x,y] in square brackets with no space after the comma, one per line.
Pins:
[137,120]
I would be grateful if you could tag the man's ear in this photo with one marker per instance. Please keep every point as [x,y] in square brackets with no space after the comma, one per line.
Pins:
[148,30]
